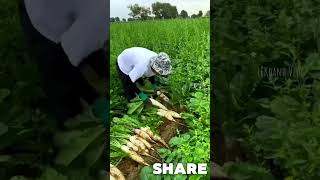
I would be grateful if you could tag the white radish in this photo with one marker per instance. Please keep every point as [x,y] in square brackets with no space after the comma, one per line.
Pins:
[132,146]
[174,114]
[144,135]
[148,145]
[157,104]
[134,156]
[137,143]
[168,116]
[165,114]
[116,173]
[154,136]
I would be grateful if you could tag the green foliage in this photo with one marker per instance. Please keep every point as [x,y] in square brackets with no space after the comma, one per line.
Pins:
[187,48]
[139,12]
[277,118]
[184,14]
[73,143]
[164,10]
[188,85]
[147,173]
[245,171]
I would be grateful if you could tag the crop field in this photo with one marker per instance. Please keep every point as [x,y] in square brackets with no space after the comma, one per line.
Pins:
[187,42]
[268,122]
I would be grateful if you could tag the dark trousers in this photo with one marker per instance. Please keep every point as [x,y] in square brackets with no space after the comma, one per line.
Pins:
[62,82]
[130,88]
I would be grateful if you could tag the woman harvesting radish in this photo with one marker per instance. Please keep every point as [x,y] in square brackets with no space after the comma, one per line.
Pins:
[64,36]
[136,63]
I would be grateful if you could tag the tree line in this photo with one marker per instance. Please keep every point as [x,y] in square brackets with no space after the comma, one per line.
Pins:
[158,10]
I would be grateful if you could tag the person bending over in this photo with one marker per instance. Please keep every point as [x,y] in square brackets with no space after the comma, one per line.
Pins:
[136,63]
[63,36]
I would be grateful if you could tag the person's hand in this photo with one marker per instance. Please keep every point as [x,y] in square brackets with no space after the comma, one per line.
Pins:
[100,110]
[143,96]
[146,100]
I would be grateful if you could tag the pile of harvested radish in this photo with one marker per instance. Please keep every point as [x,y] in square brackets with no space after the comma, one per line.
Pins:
[165,112]
[141,144]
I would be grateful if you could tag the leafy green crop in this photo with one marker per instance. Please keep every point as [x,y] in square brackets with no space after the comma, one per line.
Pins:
[274,118]
[187,44]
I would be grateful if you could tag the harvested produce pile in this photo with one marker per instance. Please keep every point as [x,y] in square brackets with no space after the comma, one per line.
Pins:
[182,119]
[140,144]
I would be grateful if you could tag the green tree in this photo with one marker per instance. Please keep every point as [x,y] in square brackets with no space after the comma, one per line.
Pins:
[164,10]
[117,19]
[200,14]
[208,13]
[139,12]
[194,16]
[112,19]
[124,20]
[184,14]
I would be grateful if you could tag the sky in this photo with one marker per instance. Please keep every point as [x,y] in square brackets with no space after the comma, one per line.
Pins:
[118,8]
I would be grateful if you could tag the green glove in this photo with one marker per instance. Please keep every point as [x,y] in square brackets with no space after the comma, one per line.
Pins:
[155,87]
[143,96]
[100,110]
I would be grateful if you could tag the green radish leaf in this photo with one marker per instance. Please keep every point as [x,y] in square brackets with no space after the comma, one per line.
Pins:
[95,152]
[77,145]
[3,129]
[175,141]
[145,172]
[116,154]
[13,135]
[3,94]
[139,110]
[180,177]
[84,120]
[62,139]
[195,177]
[52,174]
[5,158]
[134,106]
[18,178]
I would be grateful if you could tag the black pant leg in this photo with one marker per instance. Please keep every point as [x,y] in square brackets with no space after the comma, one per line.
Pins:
[56,75]
[130,89]
[99,62]
[152,79]
[141,81]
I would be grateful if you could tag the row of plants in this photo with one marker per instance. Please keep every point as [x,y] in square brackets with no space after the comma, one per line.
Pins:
[273,119]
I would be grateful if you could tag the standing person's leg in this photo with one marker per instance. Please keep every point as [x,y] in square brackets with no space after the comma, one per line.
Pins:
[99,62]
[130,89]
[62,82]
